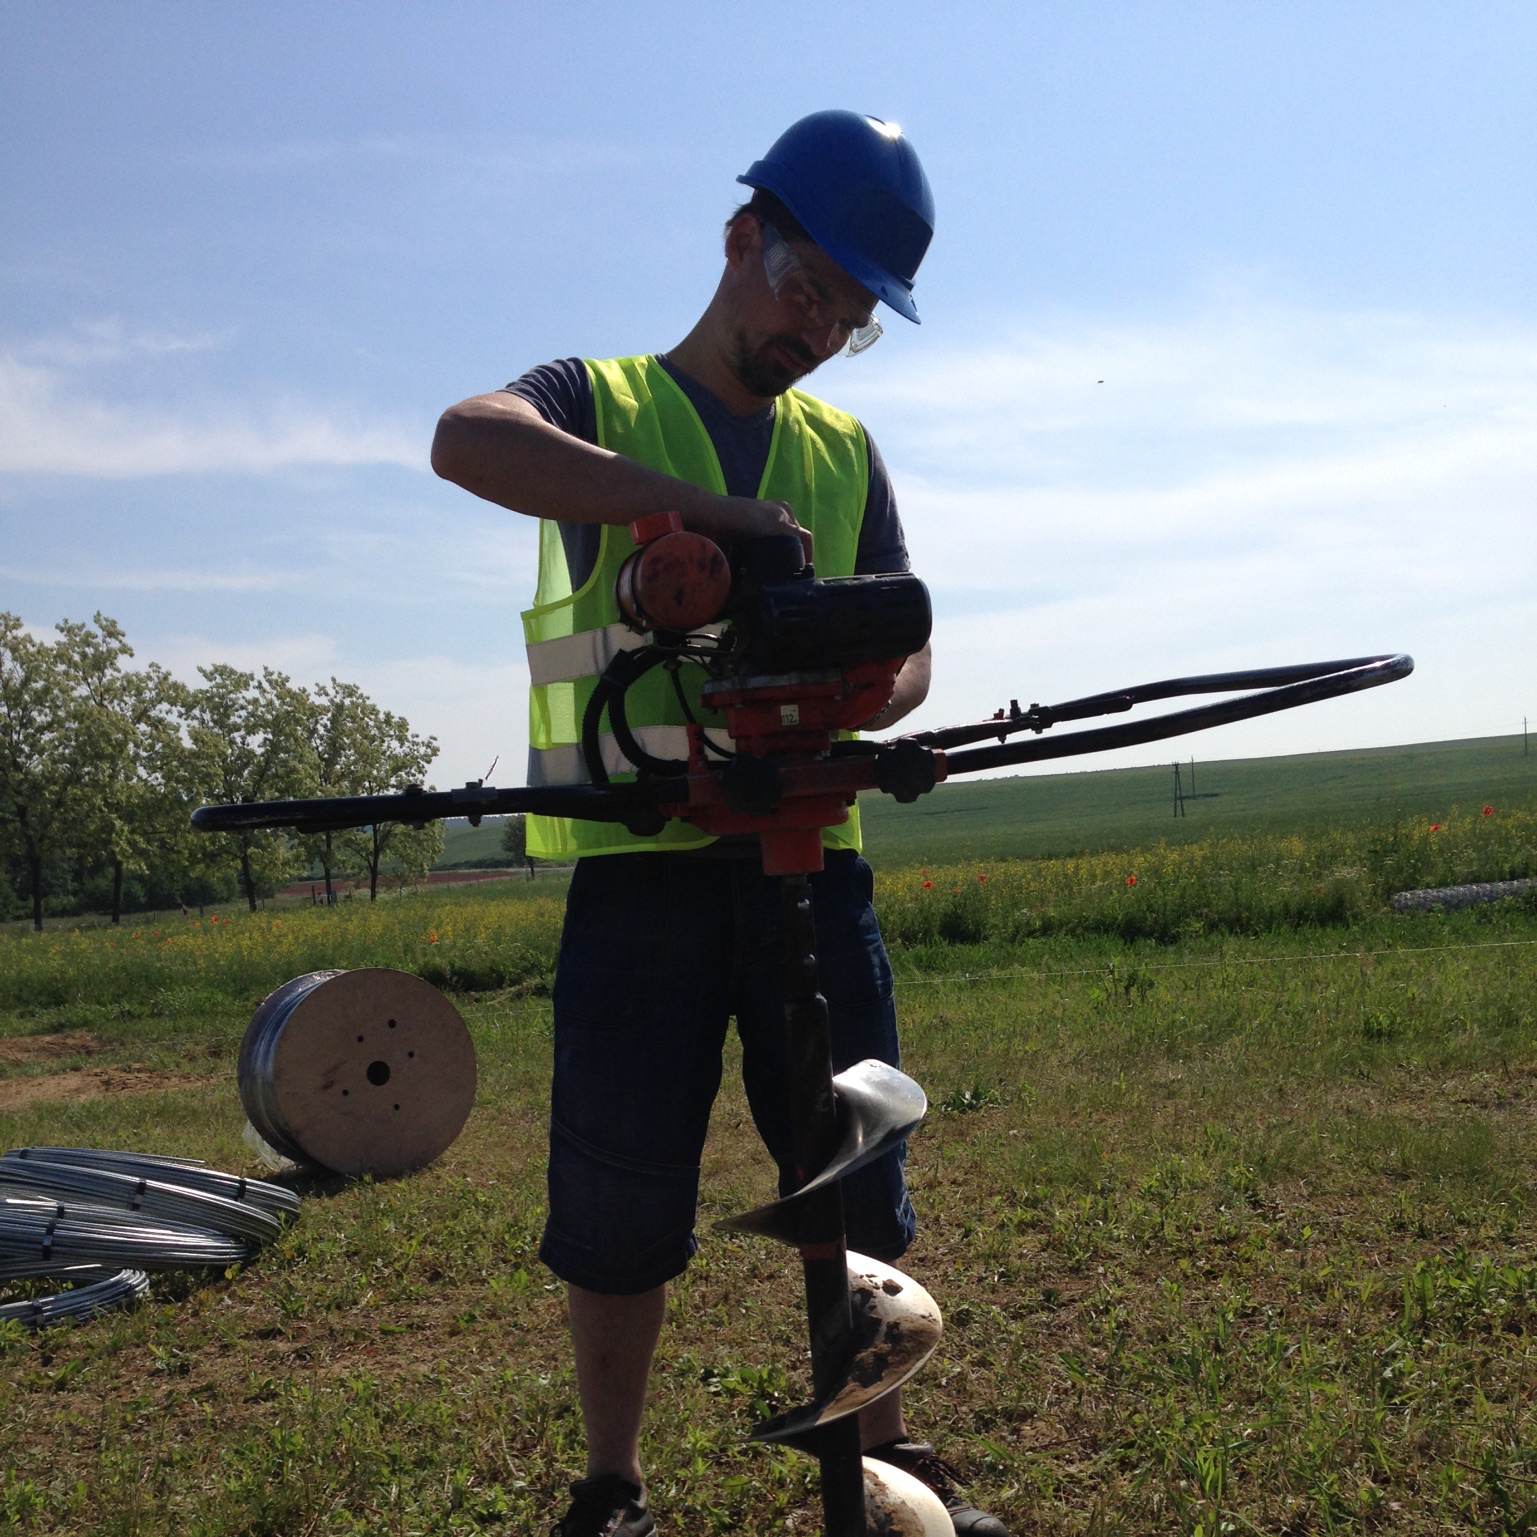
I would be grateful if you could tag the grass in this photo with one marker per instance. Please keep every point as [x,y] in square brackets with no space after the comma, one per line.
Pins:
[1229,1214]
[1227,884]
[1053,815]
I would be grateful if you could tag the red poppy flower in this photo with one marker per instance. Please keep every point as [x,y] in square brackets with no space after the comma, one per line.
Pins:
[1131,880]
[981,880]
[1435,827]
[1488,811]
[927,885]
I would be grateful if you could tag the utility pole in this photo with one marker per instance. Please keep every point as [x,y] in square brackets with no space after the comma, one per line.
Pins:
[1179,793]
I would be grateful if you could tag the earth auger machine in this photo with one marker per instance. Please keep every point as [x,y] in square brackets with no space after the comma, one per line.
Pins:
[787,666]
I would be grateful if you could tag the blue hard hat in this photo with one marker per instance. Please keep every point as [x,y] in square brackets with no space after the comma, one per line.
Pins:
[856,187]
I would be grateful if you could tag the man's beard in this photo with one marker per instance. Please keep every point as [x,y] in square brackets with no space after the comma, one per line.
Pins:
[760,371]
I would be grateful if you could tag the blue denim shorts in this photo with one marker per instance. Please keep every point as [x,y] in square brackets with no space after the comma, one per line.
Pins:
[659,953]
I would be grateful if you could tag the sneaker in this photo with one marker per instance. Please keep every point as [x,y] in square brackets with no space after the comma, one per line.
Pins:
[920,1459]
[606,1506]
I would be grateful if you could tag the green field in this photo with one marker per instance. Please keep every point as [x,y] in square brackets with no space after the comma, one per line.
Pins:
[1027,816]
[1127,808]
[1226,1193]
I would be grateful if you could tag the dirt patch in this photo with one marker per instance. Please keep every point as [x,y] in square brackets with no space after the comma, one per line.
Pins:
[1513,1088]
[88,1083]
[16,1050]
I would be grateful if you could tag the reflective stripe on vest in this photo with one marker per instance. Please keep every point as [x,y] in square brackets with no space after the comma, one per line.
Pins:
[818,463]
[567,765]
[588,652]
[583,655]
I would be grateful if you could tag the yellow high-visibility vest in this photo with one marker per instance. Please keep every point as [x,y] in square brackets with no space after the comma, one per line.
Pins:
[818,463]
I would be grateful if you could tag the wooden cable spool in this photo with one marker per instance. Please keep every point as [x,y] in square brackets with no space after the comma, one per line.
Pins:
[362,1072]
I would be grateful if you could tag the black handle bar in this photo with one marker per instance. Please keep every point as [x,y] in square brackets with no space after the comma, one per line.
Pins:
[592,803]
[1282,688]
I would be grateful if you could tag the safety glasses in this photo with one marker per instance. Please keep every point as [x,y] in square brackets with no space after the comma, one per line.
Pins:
[795,287]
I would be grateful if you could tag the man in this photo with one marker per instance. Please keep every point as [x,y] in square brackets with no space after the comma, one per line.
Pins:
[668,937]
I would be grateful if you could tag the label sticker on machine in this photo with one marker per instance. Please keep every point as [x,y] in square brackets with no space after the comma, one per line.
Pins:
[789,715]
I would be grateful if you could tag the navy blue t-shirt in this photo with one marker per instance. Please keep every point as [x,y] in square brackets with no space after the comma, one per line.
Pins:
[561,393]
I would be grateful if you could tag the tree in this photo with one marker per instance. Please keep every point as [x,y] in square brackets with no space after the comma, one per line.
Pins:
[416,850]
[41,750]
[252,739]
[515,838]
[340,719]
[135,802]
[515,841]
[101,765]
[385,757]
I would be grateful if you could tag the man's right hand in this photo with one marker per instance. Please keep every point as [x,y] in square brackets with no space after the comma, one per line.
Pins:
[499,447]
[728,519]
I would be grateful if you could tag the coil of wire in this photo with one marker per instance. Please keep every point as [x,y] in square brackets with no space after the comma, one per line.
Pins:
[138,1192]
[189,1173]
[95,1293]
[100,1220]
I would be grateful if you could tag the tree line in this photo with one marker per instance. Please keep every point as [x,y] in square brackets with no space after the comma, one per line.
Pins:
[102,764]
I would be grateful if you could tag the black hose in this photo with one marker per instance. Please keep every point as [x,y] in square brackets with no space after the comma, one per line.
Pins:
[1310,687]
[625,670]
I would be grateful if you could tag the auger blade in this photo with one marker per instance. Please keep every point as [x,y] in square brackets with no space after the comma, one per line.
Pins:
[896,1327]
[899,1505]
[877,1106]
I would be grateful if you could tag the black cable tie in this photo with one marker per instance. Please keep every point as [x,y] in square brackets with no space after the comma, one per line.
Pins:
[240,1189]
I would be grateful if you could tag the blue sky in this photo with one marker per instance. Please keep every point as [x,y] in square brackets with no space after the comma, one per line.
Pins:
[1229,353]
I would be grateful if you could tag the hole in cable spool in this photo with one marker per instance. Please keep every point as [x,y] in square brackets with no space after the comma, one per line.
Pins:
[314,1030]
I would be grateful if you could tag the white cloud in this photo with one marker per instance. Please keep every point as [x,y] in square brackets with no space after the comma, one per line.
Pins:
[84,574]
[51,425]
[1251,486]
[490,550]
[92,343]
[478,711]
[307,657]
[1237,365]
[1248,488]
[1462,499]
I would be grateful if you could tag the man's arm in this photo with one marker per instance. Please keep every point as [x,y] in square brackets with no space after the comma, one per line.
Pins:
[500,448]
[882,548]
[912,688]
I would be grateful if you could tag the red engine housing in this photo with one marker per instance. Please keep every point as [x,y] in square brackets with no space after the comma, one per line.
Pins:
[787,725]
